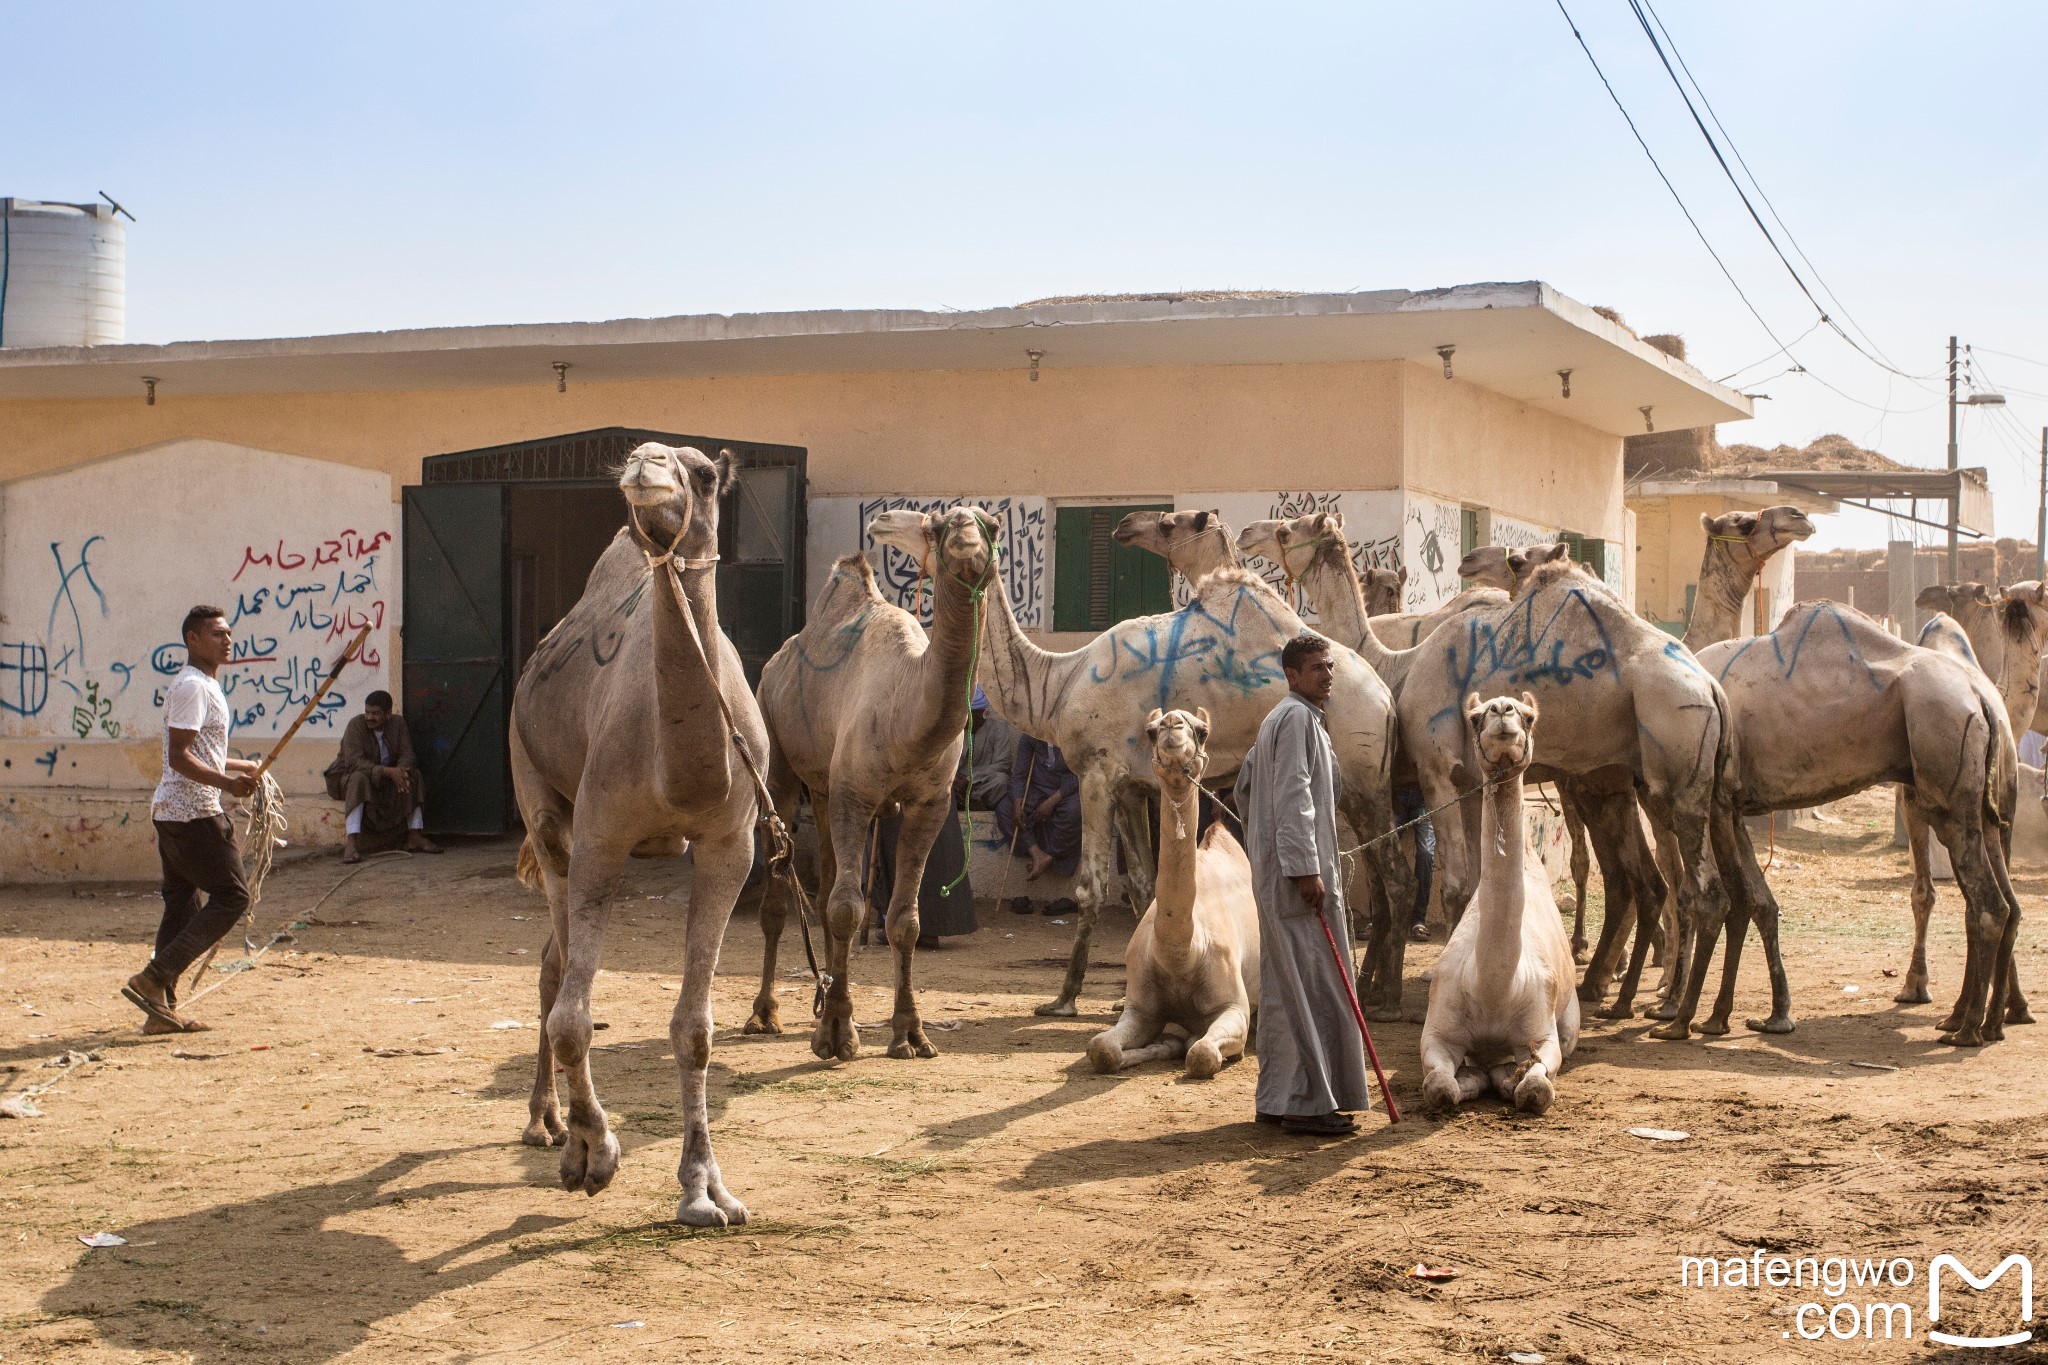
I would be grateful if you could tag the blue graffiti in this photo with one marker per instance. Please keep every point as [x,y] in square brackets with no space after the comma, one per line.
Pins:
[1194,633]
[24,677]
[1789,663]
[248,604]
[1512,644]
[1677,652]
[64,599]
[48,763]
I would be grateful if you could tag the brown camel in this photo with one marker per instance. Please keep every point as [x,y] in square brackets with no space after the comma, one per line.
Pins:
[866,710]
[1221,652]
[1739,544]
[1195,543]
[618,738]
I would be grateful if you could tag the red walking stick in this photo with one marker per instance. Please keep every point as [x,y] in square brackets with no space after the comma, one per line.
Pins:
[1351,993]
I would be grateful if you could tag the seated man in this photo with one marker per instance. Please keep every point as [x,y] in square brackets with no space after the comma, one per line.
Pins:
[995,743]
[377,779]
[1041,819]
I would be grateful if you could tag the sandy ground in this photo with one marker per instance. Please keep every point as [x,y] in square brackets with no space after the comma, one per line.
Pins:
[287,1194]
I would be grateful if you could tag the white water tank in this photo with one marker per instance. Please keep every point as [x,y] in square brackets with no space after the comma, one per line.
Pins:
[63,274]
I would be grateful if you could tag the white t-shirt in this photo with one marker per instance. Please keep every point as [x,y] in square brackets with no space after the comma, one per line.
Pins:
[195,702]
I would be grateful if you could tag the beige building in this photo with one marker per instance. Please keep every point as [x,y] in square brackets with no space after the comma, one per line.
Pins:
[1671,543]
[448,488]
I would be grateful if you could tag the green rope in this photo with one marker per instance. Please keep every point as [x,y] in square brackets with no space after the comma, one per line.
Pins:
[976,592]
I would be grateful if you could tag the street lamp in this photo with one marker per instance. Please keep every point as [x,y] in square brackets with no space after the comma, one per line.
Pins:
[1975,400]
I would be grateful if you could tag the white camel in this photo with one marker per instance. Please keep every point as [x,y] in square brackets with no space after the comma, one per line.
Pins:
[1501,1005]
[1193,962]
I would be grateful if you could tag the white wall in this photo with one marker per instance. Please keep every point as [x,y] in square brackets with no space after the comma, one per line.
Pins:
[98,565]
[839,526]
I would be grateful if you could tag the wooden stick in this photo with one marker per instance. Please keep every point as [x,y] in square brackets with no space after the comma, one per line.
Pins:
[306,712]
[1344,970]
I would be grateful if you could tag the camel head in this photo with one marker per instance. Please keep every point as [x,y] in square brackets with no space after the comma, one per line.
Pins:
[2025,610]
[1963,601]
[960,541]
[1383,590]
[1492,566]
[1164,532]
[1750,538]
[1177,753]
[1296,542]
[1504,730]
[673,492]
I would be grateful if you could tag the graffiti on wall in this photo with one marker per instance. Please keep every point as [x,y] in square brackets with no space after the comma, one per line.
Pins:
[293,607]
[1520,534]
[1371,526]
[1020,531]
[1432,537]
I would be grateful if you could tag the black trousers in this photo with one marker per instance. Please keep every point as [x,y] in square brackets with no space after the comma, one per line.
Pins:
[198,855]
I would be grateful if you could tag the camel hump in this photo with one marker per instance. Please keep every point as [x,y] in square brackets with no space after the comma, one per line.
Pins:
[1237,578]
[852,581]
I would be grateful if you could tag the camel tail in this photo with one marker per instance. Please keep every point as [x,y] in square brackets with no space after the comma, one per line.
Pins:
[2001,769]
[527,869]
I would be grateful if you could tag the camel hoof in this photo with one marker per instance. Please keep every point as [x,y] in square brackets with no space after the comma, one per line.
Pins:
[547,1130]
[835,1039]
[2018,1013]
[1620,1009]
[1384,1014]
[1205,1059]
[1952,1023]
[589,1168]
[702,1213]
[1106,1057]
[762,1023]
[1913,995]
[1534,1095]
[916,1045]
[1592,992]
[1962,1038]
[1439,1096]
[1055,1009]
[1662,1009]
[1777,1023]
[1715,1026]
[1675,1031]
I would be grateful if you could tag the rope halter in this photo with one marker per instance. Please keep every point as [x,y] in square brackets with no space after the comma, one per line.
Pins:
[671,554]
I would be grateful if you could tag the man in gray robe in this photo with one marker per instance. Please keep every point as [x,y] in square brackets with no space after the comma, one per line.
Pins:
[1311,1059]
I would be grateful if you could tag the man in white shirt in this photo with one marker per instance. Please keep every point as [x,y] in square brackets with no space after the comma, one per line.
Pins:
[194,838]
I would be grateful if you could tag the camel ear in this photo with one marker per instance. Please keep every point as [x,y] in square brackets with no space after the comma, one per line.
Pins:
[728,471]
[1529,705]
[1402,581]
[1202,520]
[1983,594]
[1707,524]
[1202,720]
[1334,522]
[1152,721]
[1473,707]
[1744,522]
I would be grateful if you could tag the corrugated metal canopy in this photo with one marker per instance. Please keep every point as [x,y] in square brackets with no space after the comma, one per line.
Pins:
[1510,338]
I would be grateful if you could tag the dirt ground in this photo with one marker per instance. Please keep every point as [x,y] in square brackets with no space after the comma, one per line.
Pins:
[288,1194]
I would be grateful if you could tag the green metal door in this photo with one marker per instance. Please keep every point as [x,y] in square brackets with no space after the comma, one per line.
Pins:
[457,695]
[761,530]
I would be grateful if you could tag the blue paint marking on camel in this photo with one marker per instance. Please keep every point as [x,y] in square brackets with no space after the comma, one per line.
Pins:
[1188,639]
[1790,664]
[1514,646]
[1946,626]
[1677,650]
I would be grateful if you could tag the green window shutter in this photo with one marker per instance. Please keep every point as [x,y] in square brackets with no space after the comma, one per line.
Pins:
[1593,554]
[1097,582]
[1468,530]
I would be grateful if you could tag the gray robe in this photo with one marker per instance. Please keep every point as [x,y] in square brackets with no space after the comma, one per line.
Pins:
[1311,1060]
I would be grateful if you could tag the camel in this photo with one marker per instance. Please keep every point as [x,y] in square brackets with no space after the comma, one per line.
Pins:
[1507,567]
[1739,544]
[624,730]
[1830,703]
[1501,1005]
[1631,715]
[1196,544]
[1222,652]
[865,710]
[1193,961]
[1381,588]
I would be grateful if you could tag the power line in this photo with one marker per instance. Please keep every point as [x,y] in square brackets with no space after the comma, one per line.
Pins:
[2010,356]
[1638,7]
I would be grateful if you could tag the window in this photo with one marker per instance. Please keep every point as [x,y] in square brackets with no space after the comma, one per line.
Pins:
[1587,550]
[1468,530]
[1097,582]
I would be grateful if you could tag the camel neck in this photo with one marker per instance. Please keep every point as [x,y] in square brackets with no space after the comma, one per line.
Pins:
[1025,682]
[1498,950]
[1339,600]
[695,748]
[1717,601]
[1203,553]
[1180,817]
[943,669]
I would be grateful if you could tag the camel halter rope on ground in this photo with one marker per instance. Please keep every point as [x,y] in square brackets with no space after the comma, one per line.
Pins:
[782,848]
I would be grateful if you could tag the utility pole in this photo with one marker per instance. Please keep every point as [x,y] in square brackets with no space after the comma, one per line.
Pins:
[2041,528]
[1955,493]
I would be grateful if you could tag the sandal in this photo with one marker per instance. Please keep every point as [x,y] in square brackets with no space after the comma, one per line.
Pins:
[154,1009]
[1319,1125]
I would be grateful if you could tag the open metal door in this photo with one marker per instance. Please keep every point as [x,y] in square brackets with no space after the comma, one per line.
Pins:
[761,531]
[457,698]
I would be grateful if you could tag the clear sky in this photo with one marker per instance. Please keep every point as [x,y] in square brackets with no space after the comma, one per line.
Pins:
[302,169]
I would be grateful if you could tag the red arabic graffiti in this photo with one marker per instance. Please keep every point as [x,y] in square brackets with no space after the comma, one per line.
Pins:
[348,547]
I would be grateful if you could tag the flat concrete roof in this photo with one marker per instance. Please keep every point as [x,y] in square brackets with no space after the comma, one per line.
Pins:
[1510,338]
[1758,492]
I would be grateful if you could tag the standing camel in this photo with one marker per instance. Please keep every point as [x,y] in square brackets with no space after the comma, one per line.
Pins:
[1193,962]
[865,709]
[1222,652]
[1195,543]
[624,729]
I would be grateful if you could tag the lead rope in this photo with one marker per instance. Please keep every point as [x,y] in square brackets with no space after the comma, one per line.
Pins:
[782,848]
[976,593]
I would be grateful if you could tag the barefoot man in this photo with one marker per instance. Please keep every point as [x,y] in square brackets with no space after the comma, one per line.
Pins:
[1311,1062]
[194,839]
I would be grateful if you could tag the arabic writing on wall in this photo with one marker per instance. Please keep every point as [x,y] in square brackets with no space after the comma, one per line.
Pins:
[1020,530]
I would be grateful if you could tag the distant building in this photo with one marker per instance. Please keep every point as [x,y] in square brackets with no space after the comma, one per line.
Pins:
[451,488]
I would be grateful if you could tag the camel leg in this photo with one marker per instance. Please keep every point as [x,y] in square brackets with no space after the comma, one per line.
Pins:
[1533,1091]
[1664,947]
[1985,919]
[590,1157]
[1679,892]
[544,1127]
[775,903]
[920,830]
[1134,823]
[1606,815]
[1133,1039]
[2016,1011]
[1095,870]
[1750,897]
[835,1038]
[1457,845]
[1914,991]
[1222,1041]
[721,865]
[1392,893]
[1445,1082]
[1703,904]
[1575,827]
